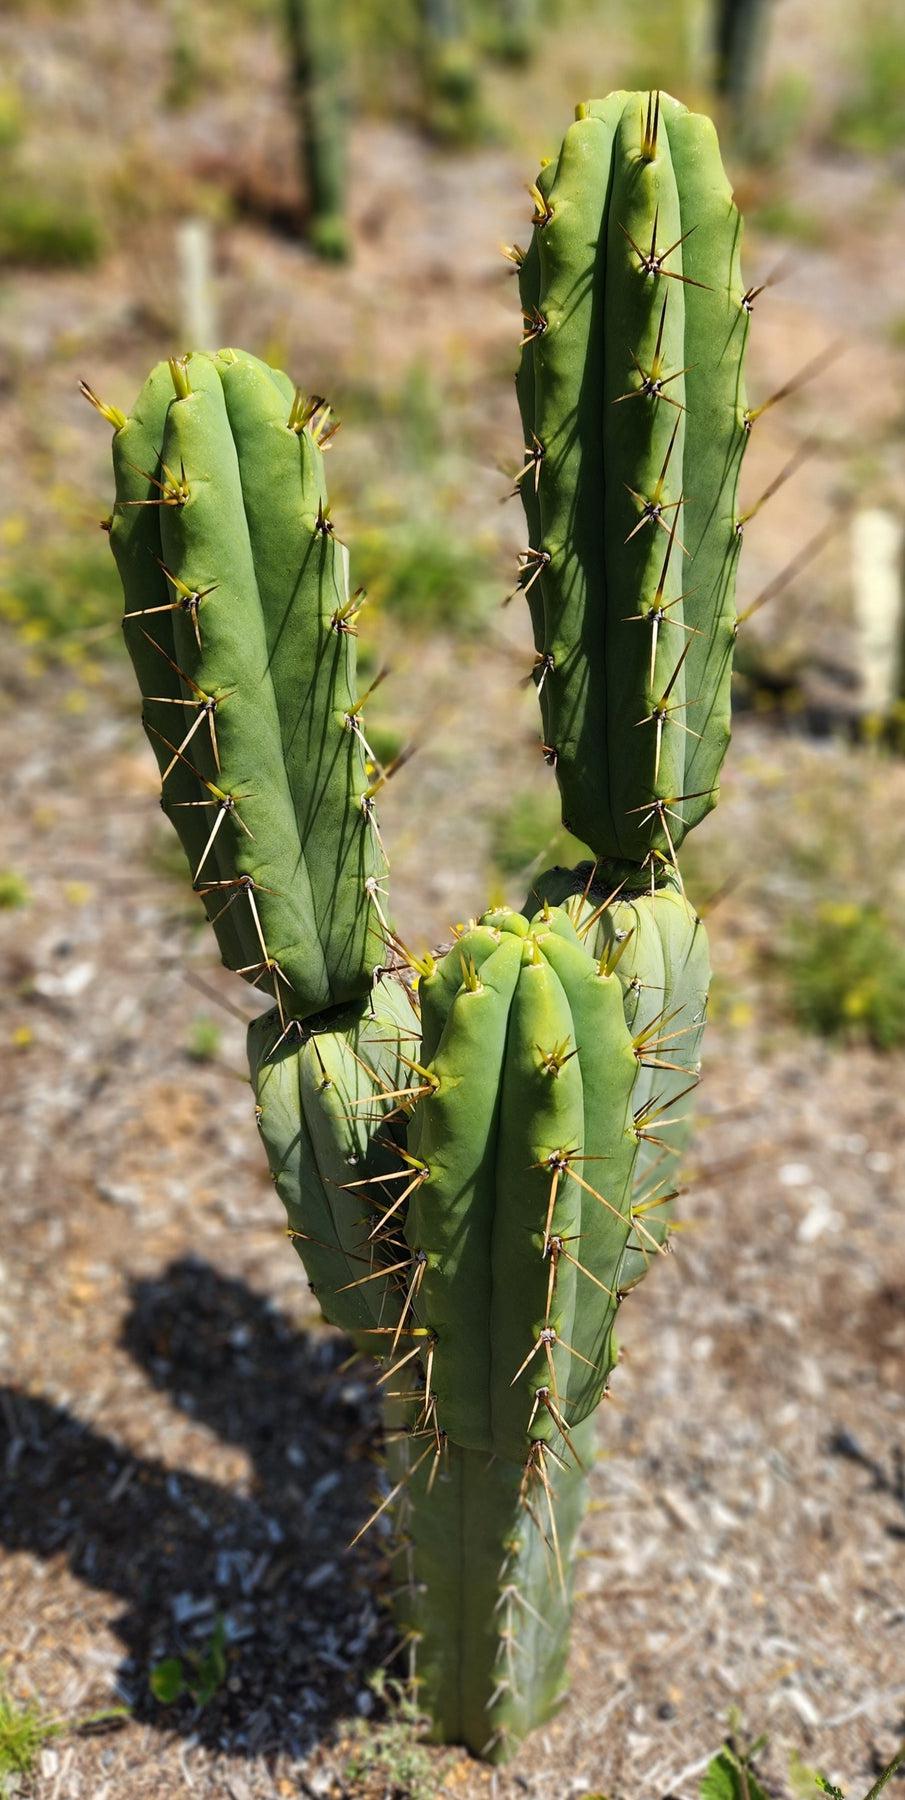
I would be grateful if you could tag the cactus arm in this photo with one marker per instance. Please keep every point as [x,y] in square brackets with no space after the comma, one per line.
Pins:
[716,335]
[566,355]
[644,760]
[235,595]
[634,392]
[208,549]
[316,70]
[529,281]
[325,1125]
[302,582]
[141,484]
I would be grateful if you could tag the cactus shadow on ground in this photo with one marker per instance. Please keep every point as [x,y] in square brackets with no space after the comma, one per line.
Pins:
[180,1550]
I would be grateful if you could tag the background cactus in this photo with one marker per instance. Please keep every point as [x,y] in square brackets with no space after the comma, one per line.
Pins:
[472,1194]
[314,33]
[739,43]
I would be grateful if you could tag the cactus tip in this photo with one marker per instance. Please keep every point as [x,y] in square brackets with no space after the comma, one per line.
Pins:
[179,373]
[651,128]
[111,413]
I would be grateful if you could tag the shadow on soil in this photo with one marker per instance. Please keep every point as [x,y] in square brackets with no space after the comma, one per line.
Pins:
[181,1550]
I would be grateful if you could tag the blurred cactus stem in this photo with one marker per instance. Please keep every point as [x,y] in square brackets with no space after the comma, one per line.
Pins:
[512,31]
[740,40]
[452,107]
[197,300]
[878,592]
[316,75]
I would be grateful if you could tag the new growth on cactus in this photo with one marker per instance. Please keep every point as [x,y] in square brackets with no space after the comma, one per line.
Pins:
[477,1164]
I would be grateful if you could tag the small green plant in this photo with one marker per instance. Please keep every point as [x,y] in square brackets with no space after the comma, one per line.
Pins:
[203,1042]
[43,230]
[57,596]
[25,1728]
[423,574]
[732,1775]
[389,1751]
[529,829]
[14,889]
[199,1675]
[844,964]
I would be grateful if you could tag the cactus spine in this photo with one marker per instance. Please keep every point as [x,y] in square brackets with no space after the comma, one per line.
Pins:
[476,1174]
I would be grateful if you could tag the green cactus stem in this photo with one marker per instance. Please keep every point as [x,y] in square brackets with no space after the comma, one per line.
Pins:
[740,37]
[452,99]
[241,630]
[657,946]
[483,1574]
[527,1143]
[313,30]
[327,1103]
[635,424]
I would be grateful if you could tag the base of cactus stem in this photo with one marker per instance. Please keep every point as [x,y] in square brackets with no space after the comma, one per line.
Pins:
[328,236]
[483,1588]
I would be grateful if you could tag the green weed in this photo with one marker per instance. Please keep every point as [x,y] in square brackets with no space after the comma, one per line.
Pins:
[61,597]
[25,1729]
[389,1751]
[872,119]
[14,890]
[423,574]
[46,231]
[844,965]
[731,1775]
[203,1040]
[200,1675]
[529,830]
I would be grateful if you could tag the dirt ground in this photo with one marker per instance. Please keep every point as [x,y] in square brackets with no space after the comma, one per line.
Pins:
[181,1439]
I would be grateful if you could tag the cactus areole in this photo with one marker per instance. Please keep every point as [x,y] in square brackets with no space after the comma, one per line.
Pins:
[477,1164]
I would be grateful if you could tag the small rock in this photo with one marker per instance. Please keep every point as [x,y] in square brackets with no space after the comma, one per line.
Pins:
[795,1175]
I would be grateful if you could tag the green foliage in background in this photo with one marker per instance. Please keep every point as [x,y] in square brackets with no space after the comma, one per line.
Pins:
[43,230]
[872,117]
[844,965]
[199,1675]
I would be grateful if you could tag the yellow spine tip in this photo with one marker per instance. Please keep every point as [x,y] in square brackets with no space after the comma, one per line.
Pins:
[179,376]
[111,413]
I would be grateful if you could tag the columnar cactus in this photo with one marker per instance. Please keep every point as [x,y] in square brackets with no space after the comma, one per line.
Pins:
[478,1165]
[316,71]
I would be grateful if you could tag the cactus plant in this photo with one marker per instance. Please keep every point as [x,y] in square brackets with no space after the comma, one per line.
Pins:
[476,1174]
[740,32]
[316,74]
